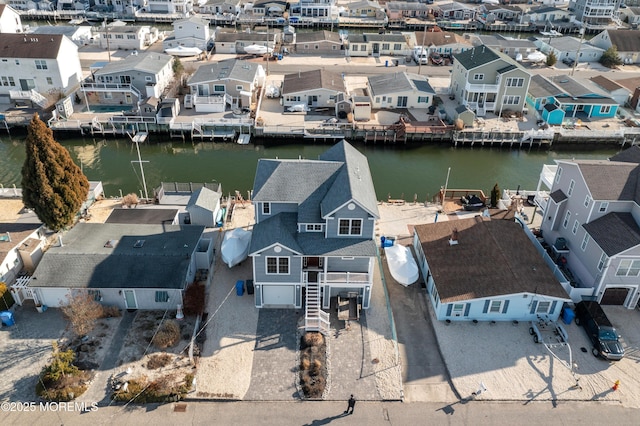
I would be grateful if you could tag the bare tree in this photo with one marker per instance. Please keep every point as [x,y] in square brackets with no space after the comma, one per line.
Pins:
[82,311]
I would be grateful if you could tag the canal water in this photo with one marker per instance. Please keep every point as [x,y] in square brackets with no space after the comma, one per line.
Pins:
[398,171]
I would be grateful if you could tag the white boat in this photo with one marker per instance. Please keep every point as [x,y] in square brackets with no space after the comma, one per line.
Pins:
[536,56]
[243,139]
[256,49]
[235,246]
[402,265]
[183,51]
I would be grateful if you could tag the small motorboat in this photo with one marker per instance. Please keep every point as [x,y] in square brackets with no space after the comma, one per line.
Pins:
[183,51]
[235,246]
[536,56]
[256,49]
[402,265]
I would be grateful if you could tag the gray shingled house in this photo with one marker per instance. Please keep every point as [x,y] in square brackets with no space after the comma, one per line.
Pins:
[315,88]
[132,266]
[314,234]
[592,222]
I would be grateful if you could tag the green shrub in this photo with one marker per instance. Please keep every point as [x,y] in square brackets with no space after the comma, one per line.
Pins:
[61,380]
[163,389]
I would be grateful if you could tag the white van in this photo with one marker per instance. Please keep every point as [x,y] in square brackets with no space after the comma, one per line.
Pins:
[421,55]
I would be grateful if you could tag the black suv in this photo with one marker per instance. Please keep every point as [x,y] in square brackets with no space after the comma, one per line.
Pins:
[602,334]
[568,62]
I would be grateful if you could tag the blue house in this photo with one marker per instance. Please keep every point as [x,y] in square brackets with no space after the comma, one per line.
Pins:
[562,98]
[314,234]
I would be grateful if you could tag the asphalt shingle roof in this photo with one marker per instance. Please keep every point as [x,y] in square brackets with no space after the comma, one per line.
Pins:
[609,180]
[625,40]
[228,69]
[629,155]
[86,261]
[149,62]
[30,46]
[323,35]
[476,57]
[398,82]
[310,80]
[614,232]
[492,258]
[205,198]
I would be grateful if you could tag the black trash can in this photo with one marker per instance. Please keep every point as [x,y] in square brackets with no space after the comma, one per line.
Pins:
[249,284]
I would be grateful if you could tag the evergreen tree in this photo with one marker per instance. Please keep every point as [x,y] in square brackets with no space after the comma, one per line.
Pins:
[551,59]
[610,57]
[53,186]
[495,196]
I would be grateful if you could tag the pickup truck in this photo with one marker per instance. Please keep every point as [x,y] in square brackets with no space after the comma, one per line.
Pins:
[603,335]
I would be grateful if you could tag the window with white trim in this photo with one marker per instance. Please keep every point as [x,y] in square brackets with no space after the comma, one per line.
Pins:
[458,309]
[162,296]
[41,64]
[602,261]
[603,207]
[478,77]
[515,82]
[239,87]
[277,265]
[628,268]
[511,100]
[423,99]
[314,227]
[605,109]
[558,174]
[565,222]
[495,306]
[95,295]
[585,241]
[350,227]
[543,307]
[576,224]
[572,185]
[266,208]
[587,200]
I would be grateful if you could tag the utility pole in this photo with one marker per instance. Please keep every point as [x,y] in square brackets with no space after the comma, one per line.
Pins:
[575,63]
[106,29]
[424,36]
[137,138]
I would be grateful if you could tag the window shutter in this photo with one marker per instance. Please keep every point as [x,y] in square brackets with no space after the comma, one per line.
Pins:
[486,306]
[534,305]
[466,309]
[505,306]
[449,307]
[553,306]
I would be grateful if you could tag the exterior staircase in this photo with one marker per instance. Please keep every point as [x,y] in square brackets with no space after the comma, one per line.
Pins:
[315,318]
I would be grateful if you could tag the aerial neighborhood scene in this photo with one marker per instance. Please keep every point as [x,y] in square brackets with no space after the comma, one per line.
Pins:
[314,212]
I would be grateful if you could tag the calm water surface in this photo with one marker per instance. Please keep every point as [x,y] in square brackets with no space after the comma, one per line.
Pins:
[396,171]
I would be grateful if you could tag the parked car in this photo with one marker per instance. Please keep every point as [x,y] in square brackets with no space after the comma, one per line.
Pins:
[298,108]
[605,338]
[568,61]
[436,59]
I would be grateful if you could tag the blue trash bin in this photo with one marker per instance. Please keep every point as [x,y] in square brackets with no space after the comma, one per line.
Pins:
[568,315]
[239,287]
[386,63]
[7,318]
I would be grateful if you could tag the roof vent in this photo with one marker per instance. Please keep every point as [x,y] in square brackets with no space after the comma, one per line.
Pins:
[110,244]
[139,243]
[454,237]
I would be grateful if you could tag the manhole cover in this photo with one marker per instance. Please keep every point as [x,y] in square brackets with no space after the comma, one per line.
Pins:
[180,408]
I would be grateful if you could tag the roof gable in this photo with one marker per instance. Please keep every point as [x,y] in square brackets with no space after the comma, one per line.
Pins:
[614,232]
[609,180]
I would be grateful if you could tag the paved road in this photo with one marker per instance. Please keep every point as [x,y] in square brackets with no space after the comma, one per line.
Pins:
[323,413]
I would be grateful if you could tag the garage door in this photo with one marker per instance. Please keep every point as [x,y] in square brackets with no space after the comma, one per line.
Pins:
[614,296]
[278,295]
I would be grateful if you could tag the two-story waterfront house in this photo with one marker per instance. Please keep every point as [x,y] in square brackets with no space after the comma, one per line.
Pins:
[131,80]
[31,66]
[488,81]
[228,83]
[169,6]
[592,222]
[191,32]
[627,42]
[118,35]
[10,21]
[314,232]
[400,90]
[597,14]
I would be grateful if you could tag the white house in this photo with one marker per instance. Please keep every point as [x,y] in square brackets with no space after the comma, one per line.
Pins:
[79,34]
[627,42]
[169,6]
[118,35]
[9,20]
[132,266]
[400,90]
[315,88]
[31,66]
[191,32]
[21,248]
[486,269]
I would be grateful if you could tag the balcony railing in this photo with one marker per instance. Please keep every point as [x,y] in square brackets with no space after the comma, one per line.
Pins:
[345,278]
[482,88]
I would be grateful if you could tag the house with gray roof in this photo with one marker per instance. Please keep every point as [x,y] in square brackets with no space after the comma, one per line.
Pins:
[314,234]
[131,80]
[593,227]
[509,46]
[228,83]
[118,35]
[487,80]
[79,34]
[626,41]
[235,42]
[567,47]
[486,269]
[189,32]
[315,88]
[370,44]
[131,266]
[400,90]
[321,42]
[561,97]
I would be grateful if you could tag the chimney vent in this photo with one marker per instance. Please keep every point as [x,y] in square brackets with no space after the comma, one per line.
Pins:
[454,237]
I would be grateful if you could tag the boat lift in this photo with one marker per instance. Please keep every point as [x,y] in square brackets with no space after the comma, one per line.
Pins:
[137,138]
[555,339]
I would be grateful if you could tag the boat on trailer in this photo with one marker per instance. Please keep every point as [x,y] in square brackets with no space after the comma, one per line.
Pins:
[183,51]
